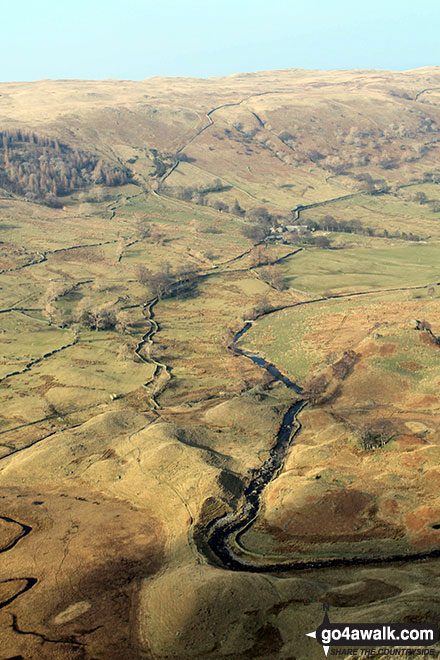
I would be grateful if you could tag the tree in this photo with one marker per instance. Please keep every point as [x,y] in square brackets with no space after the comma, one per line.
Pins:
[56,289]
[142,229]
[95,317]
[274,275]
[259,214]
[99,285]
[143,274]
[262,307]
[122,324]
[52,313]
[237,210]
[157,236]
[258,256]
[285,136]
[220,206]
[183,157]
[255,233]
[76,332]
[424,325]
[161,280]
[420,197]
[322,242]
[120,248]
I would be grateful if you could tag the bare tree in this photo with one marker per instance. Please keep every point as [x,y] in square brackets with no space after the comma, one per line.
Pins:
[122,324]
[157,236]
[258,256]
[76,332]
[142,228]
[143,274]
[274,276]
[120,248]
[52,313]
[95,317]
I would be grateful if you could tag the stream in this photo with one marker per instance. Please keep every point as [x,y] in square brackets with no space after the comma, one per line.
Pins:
[223,532]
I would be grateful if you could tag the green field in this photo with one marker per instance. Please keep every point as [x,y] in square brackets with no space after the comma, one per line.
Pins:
[301,338]
[313,272]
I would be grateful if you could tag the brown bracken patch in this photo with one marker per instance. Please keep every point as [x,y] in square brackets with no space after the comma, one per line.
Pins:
[422,517]
[410,365]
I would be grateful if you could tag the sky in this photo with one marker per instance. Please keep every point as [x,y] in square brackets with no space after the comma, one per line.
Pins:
[136,39]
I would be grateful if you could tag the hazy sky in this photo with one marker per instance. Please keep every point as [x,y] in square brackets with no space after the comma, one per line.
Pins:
[137,39]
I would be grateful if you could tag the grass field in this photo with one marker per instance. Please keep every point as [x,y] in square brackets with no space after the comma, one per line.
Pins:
[302,337]
[395,213]
[314,272]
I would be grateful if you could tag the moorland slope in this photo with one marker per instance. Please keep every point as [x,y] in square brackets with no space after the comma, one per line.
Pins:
[220,362]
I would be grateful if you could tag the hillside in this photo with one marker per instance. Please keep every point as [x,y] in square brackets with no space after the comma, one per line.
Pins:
[220,325]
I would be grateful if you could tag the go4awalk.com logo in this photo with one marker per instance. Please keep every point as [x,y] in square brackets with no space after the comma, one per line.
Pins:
[376,638]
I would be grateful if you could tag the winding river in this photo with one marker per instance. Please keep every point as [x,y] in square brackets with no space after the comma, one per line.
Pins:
[223,533]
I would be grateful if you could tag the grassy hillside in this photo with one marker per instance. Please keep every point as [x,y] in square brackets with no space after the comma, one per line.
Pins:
[142,225]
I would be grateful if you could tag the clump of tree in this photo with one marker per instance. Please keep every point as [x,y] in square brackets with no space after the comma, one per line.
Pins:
[263,306]
[375,434]
[400,93]
[259,256]
[127,351]
[422,198]
[286,136]
[388,163]
[430,176]
[259,214]
[274,275]
[371,185]
[329,223]
[55,289]
[237,210]
[255,233]
[321,242]
[168,281]
[262,216]
[107,316]
[195,194]
[342,367]
[317,241]
[219,205]
[143,229]
[182,157]
[44,169]
[161,162]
